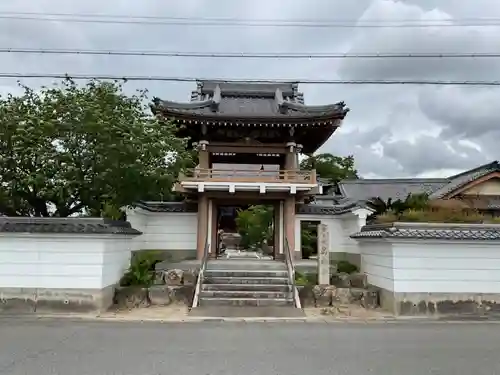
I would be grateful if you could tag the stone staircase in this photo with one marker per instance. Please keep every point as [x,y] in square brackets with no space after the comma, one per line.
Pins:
[246,282]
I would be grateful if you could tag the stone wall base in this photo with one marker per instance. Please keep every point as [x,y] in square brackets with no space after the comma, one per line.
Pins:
[32,300]
[437,304]
[156,295]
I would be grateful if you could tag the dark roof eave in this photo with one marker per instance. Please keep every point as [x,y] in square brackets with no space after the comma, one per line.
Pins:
[242,117]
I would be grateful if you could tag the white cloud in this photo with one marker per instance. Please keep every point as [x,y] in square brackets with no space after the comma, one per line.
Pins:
[392,131]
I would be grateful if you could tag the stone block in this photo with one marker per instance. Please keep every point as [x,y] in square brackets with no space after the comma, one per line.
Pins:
[189,277]
[159,278]
[306,295]
[370,299]
[341,280]
[324,295]
[182,294]
[17,300]
[174,277]
[357,280]
[343,296]
[160,295]
[131,297]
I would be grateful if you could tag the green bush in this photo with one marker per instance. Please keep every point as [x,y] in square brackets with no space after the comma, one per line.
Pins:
[308,240]
[255,226]
[141,270]
[440,215]
[346,267]
[304,279]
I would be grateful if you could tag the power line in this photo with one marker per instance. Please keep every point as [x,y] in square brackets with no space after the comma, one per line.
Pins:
[180,21]
[219,19]
[258,55]
[248,80]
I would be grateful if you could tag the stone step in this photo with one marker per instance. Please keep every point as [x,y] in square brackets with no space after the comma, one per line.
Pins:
[246,280]
[248,312]
[245,294]
[248,287]
[245,264]
[245,273]
[215,301]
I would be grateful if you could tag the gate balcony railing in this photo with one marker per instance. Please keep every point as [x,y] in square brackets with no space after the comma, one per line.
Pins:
[235,175]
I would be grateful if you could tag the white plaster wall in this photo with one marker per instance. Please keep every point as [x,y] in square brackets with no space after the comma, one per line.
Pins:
[432,266]
[377,263]
[62,261]
[349,225]
[164,230]
[336,234]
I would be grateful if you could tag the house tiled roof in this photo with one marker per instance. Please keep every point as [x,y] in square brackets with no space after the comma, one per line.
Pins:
[462,179]
[389,188]
[400,188]
[167,206]
[431,231]
[65,225]
[338,209]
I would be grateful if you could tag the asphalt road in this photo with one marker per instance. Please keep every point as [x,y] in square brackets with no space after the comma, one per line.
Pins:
[77,348]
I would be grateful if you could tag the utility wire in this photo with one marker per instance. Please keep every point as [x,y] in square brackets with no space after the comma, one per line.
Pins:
[179,21]
[258,55]
[249,80]
[218,19]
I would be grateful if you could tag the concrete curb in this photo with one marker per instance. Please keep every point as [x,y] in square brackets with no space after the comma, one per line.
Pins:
[328,320]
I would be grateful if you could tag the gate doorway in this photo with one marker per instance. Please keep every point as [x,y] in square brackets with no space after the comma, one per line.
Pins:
[246,227]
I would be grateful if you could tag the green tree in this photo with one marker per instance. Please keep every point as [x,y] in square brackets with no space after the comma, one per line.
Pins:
[255,225]
[308,239]
[331,167]
[411,202]
[70,149]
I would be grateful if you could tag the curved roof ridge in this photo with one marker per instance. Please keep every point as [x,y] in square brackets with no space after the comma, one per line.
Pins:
[337,107]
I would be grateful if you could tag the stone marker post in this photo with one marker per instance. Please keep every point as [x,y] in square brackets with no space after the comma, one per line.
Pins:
[323,255]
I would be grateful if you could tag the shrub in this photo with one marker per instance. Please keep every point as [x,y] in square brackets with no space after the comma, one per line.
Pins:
[346,267]
[305,279]
[443,214]
[387,217]
[141,270]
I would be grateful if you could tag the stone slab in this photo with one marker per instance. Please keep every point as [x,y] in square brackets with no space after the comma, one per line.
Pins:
[25,300]
[323,255]
[246,312]
[17,300]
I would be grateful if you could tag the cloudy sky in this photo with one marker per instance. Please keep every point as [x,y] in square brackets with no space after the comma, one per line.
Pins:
[393,131]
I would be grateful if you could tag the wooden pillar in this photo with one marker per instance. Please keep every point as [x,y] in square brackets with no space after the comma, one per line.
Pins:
[204,156]
[202,225]
[278,230]
[291,160]
[215,228]
[289,223]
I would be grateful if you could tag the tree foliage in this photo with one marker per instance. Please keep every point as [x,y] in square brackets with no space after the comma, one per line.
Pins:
[419,208]
[255,225]
[308,239]
[411,202]
[69,149]
[331,167]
